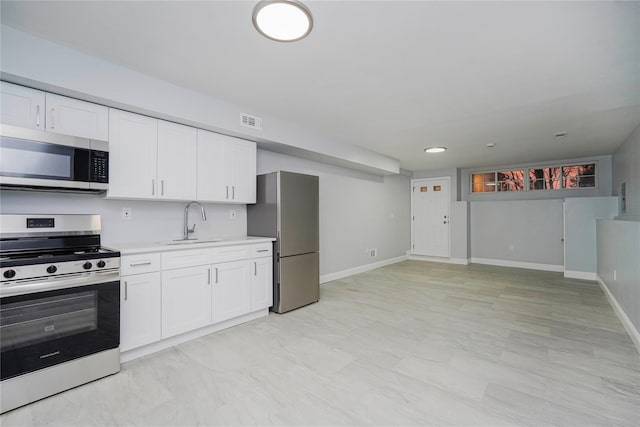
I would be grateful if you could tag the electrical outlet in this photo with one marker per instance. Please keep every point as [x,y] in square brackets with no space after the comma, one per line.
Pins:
[126,213]
[233,214]
[615,275]
[373,253]
[512,247]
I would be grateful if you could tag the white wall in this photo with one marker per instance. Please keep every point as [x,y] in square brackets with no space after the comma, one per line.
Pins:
[618,241]
[516,233]
[151,221]
[358,211]
[619,252]
[626,168]
[580,215]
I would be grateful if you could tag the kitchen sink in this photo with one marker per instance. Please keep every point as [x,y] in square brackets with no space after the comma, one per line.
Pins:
[192,241]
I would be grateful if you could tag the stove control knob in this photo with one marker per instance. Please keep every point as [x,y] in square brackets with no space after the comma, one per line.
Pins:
[52,269]
[87,265]
[101,264]
[9,274]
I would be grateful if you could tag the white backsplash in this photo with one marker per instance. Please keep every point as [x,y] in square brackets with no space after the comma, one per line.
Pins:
[150,220]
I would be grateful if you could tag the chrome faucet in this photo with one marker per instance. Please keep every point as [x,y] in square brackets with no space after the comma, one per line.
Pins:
[188,230]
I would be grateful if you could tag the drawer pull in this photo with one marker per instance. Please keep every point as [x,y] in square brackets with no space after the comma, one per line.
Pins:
[208,276]
[126,293]
[137,264]
[262,250]
[255,268]
[216,274]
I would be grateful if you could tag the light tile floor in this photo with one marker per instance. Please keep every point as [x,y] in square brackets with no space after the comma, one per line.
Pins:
[414,343]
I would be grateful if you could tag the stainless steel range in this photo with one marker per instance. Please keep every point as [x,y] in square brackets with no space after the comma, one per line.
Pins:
[59,306]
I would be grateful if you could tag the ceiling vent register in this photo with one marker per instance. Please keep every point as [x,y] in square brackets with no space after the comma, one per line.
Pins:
[250,121]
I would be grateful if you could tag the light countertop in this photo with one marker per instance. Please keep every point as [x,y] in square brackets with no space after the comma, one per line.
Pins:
[201,242]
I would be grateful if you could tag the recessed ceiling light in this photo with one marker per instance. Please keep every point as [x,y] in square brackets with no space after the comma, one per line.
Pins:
[432,150]
[560,134]
[491,144]
[282,20]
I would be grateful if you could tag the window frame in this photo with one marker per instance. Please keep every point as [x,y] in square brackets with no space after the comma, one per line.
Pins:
[527,181]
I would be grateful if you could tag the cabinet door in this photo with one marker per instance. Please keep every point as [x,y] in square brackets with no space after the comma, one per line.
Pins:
[212,185]
[133,141]
[139,310]
[231,290]
[261,283]
[22,106]
[176,161]
[186,300]
[240,163]
[78,118]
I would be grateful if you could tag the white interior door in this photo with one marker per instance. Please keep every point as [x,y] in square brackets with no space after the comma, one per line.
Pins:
[430,205]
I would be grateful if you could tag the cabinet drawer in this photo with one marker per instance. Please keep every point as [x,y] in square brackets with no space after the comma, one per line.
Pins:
[138,264]
[188,258]
[260,250]
[230,253]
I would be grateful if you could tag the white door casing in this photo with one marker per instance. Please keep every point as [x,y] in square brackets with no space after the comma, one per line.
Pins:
[430,230]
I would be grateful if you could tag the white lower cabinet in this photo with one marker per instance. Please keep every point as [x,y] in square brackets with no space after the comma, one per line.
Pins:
[169,293]
[186,300]
[261,277]
[231,290]
[140,300]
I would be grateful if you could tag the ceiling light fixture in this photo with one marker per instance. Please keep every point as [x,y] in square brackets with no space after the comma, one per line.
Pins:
[282,20]
[432,150]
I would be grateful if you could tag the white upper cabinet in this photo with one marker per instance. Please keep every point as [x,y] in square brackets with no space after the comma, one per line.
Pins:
[35,109]
[226,168]
[241,160]
[150,158]
[78,118]
[211,169]
[133,143]
[22,106]
[177,149]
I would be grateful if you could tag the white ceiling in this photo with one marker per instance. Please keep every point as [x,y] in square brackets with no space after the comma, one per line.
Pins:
[391,76]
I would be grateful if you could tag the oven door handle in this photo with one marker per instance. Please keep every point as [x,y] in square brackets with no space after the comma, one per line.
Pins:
[70,281]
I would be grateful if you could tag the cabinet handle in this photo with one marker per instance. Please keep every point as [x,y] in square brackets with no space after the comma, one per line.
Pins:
[126,290]
[255,268]
[208,276]
[162,187]
[37,115]
[233,192]
[53,117]
[227,192]
[153,187]
[136,264]
[262,250]
[216,274]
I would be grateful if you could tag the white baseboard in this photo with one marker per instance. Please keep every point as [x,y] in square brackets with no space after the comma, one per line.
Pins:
[360,269]
[624,319]
[518,264]
[459,261]
[188,336]
[584,275]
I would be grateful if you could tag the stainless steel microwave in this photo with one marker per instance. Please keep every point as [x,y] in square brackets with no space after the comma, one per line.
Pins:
[36,160]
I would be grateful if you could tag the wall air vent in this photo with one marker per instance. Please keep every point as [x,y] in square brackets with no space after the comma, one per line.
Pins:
[250,121]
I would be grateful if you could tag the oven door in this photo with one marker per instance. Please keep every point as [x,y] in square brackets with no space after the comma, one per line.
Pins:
[42,329]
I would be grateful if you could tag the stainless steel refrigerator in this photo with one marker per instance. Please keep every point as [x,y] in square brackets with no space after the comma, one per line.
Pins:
[287,209]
